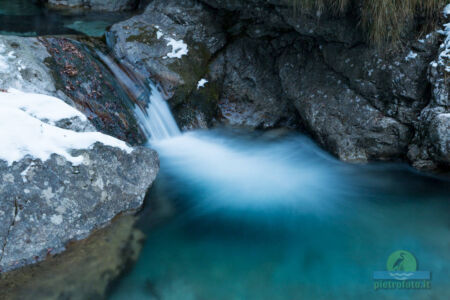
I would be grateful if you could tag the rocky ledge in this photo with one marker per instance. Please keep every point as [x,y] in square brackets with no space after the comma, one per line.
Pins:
[45,205]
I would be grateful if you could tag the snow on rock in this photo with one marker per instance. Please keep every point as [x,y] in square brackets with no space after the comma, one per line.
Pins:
[444,56]
[159,33]
[179,48]
[201,83]
[27,127]
[411,55]
[447,10]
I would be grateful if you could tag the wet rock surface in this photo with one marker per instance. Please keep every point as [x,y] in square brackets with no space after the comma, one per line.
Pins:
[47,204]
[94,90]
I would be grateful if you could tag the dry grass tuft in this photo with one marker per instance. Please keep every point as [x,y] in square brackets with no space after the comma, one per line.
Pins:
[384,21]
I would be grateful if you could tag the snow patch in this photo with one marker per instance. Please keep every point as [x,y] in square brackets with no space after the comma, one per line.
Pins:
[179,48]
[27,128]
[159,33]
[447,10]
[411,55]
[201,83]
[444,57]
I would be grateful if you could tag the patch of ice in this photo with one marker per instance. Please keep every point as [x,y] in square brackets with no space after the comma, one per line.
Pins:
[201,83]
[179,48]
[27,128]
[411,55]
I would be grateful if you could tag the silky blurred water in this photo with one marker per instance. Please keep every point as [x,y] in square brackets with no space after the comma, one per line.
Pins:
[264,216]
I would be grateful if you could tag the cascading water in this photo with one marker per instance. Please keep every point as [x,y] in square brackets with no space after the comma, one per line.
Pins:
[275,218]
[151,110]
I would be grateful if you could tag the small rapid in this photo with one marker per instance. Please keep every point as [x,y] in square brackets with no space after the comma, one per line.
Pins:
[151,110]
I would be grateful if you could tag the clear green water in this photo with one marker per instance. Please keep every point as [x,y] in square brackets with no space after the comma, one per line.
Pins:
[26,18]
[277,218]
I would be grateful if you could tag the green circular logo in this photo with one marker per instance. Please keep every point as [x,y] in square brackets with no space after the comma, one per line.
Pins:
[401,260]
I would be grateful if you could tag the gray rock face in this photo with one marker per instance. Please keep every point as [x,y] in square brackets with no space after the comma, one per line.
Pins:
[342,120]
[322,27]
[395,83]
[101,5]
[172,42]
[431,145]
[251,94]
[44,205]
[23,66]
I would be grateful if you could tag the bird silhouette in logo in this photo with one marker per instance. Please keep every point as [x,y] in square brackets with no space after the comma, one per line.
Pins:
[398,265]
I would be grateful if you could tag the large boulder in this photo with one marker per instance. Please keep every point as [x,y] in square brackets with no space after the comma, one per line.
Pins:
[250,86]
[172,42]
[46,204]
[394,82]
[100,5]
[343,121]
[60,182]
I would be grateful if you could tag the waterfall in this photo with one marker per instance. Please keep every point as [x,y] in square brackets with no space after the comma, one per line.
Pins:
[151,110]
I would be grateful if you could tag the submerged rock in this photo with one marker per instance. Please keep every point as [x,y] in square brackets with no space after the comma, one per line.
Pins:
[84,271]
[100,5]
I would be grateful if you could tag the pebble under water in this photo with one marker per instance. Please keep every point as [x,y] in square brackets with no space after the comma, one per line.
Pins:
[264,216]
